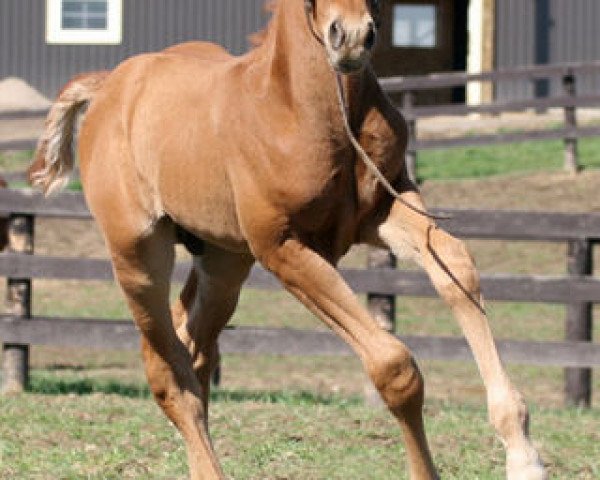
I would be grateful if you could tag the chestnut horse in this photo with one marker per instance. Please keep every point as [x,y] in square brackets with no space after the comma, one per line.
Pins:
[249,158]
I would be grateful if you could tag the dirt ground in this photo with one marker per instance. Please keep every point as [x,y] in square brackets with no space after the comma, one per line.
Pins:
[547,191]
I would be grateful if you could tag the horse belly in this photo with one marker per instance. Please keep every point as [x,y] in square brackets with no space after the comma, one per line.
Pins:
[196,193]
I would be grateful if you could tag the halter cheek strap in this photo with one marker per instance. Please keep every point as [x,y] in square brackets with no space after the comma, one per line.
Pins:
[309,9]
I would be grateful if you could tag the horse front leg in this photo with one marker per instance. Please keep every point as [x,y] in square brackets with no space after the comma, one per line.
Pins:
[388,361]
[452,272]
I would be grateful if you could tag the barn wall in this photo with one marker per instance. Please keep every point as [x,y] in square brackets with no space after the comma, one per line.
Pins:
[153,24]
[530,32]
[148,25]
[515,43]
[575,37]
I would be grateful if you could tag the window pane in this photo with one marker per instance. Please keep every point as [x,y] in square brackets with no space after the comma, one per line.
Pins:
[68,22]
[96,23]
[415,26]
[97,7]
[84,14]
[72,7]
[401,32]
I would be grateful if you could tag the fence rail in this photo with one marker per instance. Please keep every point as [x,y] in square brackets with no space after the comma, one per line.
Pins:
[569,101]
[18,329]
[578,289]
[122,334]
[406,86]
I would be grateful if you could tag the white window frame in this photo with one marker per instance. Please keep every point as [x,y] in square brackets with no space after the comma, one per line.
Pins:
[112,35]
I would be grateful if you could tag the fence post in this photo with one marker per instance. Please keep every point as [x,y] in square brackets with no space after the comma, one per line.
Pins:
[571,157]
[15,361]
[578,381]
[382,307]
[408,102]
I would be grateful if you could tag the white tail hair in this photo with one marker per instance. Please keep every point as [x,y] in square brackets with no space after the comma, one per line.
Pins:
[54,158]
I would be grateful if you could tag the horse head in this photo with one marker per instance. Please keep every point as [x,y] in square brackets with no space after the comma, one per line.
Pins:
[346,28]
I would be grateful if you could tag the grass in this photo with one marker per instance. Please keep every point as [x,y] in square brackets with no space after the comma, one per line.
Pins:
[477,162]
[271,435]
[89,415]
[15,161]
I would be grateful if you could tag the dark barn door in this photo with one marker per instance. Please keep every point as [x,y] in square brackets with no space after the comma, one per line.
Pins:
[423,36]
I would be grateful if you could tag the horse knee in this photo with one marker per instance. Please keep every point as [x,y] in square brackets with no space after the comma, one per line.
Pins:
[398,379]
[454,273]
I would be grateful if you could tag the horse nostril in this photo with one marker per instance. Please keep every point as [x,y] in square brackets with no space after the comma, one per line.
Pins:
[337,35]
[370,37]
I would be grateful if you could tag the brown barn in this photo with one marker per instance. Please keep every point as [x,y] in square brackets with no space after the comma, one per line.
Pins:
[46,41]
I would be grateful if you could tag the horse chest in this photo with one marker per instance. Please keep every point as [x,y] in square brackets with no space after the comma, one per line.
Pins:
[320,200]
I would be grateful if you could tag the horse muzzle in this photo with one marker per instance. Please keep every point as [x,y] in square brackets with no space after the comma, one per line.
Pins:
[349,46]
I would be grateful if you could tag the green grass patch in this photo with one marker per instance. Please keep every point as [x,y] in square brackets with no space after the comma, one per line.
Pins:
[15,161]
[102,436]
[43,383]
[478,162]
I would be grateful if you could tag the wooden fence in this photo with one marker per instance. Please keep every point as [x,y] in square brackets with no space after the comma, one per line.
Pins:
[578,289]
[569,101]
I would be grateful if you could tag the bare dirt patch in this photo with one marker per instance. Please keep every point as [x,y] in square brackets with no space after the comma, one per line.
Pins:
[542,191]
[16,94]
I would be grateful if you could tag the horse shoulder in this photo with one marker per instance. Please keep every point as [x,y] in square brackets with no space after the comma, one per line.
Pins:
[384,131]
[384,136]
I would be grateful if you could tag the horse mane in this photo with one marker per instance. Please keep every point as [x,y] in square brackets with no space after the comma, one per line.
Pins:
[256,39]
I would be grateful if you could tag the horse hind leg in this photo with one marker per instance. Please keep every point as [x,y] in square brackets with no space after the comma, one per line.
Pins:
[143,263]
[205,305]
[453,274]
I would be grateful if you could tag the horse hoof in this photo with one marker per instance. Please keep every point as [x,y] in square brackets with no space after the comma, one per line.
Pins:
[525,467]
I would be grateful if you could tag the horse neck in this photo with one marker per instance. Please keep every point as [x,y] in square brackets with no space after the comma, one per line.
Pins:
[298,71]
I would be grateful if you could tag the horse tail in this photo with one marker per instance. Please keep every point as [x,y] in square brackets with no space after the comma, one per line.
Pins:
[54,157]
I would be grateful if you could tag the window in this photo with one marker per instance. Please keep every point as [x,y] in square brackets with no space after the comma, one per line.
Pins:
[414,26]
[84,21]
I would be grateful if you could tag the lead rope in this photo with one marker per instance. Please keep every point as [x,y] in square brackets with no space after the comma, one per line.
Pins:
[364,156]
[384,181]
[308,9]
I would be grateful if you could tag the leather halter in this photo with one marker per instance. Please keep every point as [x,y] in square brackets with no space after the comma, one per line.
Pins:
[309,10]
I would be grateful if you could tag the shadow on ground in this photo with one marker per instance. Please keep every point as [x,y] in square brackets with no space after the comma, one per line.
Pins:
[44,385]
